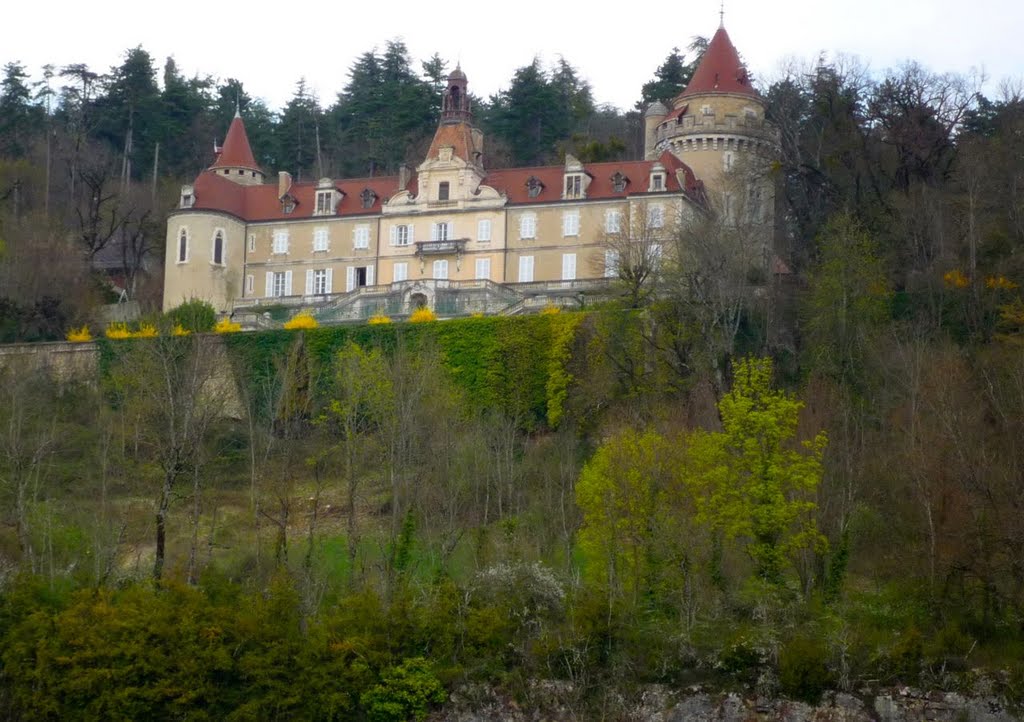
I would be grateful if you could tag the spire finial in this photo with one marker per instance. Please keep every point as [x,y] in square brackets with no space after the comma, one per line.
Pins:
[721,14]
[238,113]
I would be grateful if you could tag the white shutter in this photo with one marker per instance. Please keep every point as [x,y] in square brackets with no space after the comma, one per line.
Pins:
[451,231]
[483,230]
[525,269]
[287,283]
[568,266]
[433,231]
[483,268]
[611,264]
[409,235]
[328,288]
[350,278]
[309,282]
[369,275]
[401,271]
[441,270]
[394,235]
[270,284]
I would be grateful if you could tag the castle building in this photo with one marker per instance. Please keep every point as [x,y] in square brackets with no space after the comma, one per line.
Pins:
[455,236]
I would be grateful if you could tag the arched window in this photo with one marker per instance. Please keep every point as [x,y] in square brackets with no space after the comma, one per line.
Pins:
[218,248]
[183,246]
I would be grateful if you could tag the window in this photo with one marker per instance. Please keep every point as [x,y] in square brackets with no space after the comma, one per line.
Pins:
[657,182]
[367,198]
[533,186]
[401,235]
[727,161]
[727,207]
[280,244]
[483,268]
[443,189]
[706,110]
[655,217]
[287,205]
[525,269]
[361,237]
[444,231]
[357,277]
[250,281]
[183,246]
[279,283]
[612,221]
[186,200]
[574,186]
[320,239]
[324,203]
[611,264]
[218,248]
[441,269]
[571,223]
[401,271]
[318,282]
[528,226]
[619,182]
[568,266]
[252,242]
[483,230]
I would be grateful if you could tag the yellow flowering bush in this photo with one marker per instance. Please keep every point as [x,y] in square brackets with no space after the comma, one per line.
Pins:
[550,310]
[79,335]
[956,279]
[422,314]
[303,320]
[179,330]
[226,326]
[1000,283]
[146,330]
[117,331]
[378,319]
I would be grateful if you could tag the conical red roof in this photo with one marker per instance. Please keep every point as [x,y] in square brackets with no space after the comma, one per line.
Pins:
[720,70]
[236,152]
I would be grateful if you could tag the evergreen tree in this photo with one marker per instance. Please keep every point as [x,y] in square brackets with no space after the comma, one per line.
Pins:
[297,134]
[19,117]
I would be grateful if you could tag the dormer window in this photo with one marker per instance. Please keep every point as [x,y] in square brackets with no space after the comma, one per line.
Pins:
[574,185]
[324,203]
[619,182]
[657,181]
[443,190]
[367,198]
[287,204]
[188,198]
[533,186]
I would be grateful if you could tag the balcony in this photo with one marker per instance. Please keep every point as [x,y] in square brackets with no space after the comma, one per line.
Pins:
[441,248]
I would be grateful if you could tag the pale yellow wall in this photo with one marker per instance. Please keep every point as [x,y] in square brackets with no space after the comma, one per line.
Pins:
[198,276]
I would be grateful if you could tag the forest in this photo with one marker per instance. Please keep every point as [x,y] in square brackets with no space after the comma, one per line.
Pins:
[784,486]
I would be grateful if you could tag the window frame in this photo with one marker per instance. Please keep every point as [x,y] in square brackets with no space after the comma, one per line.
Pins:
[571,224]
[361,237]
[184,245]
[528,221]
[280,240]
[218,237]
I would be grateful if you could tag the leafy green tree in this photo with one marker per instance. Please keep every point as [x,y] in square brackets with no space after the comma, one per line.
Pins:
[405,692]
[296,133]
[672,76]
[749,481]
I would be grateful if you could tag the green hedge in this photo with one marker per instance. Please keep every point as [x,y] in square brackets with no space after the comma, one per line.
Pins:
[516,365]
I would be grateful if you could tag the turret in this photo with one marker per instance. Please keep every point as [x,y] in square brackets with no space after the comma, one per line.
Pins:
[235,160]
[655,114]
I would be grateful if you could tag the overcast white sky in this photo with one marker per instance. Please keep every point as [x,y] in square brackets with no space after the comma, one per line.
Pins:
[616,46]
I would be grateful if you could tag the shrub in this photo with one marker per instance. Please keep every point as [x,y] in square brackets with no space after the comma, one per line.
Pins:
[146,330]
[404,692]
[550,310]
[79,335]
[803,669]
[117,331]
[301,321]
[195,315]
[423,314]
[378,319]
[179,330]
[226,326]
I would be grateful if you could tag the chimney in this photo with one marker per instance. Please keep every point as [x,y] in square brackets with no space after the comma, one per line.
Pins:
[284,183]
[404,175]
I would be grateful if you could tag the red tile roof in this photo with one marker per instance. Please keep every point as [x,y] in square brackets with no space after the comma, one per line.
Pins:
[260,202]
[720,70]
[457,135]
[236,152]
[513,181]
